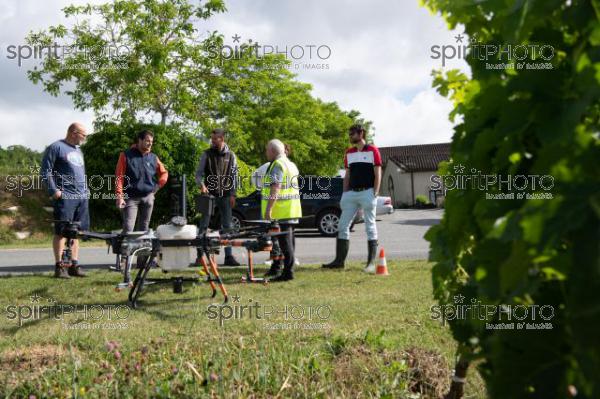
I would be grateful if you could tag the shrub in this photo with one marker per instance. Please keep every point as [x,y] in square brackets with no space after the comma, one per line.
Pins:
[525,252]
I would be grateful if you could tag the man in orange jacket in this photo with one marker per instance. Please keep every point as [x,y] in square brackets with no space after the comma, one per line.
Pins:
[139,175]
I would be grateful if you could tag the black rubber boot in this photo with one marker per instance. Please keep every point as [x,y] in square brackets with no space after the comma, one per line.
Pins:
[231,261]
[286,275]
[274,269]
[372,254]
[341,252]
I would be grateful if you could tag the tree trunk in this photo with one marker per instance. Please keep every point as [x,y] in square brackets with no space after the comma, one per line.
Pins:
[457,387]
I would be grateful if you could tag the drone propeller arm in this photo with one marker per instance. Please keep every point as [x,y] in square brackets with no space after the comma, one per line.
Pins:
[99,236]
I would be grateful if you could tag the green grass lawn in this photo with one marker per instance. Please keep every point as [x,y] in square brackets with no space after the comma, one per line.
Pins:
[365,336]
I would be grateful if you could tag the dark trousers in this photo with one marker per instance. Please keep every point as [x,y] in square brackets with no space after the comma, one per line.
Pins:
[224,206]
[286,246]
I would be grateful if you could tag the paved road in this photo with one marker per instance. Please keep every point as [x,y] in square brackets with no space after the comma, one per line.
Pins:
[401,234]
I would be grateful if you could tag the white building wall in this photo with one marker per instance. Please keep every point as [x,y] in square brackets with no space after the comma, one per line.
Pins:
[423,183]
[402,195]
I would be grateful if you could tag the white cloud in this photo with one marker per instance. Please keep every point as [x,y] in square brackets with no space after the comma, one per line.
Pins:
[421,121]
[37,126]
[380,63]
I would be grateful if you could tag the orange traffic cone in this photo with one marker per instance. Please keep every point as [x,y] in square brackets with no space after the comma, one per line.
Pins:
[382,269]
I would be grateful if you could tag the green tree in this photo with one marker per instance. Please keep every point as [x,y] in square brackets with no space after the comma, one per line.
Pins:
[143,56]
[19,159]
[316,131]
[130,59]
[523,251]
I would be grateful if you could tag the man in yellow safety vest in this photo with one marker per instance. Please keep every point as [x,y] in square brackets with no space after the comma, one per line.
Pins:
[281,201]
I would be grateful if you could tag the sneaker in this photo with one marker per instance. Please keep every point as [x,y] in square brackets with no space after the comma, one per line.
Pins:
[296,262]
[61,272]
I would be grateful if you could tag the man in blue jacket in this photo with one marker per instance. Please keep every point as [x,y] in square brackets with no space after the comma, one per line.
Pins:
[143,174]
[63,171]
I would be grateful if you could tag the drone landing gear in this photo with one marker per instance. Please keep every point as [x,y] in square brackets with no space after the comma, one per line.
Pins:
[126,272]
[214,277]
[117,267]
[138,283]
[210,269]
[249,277]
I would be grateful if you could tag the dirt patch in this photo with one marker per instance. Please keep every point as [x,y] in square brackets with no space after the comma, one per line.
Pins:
[428,372]
[30,215]
[29,363]
[31,358]
[6,220]
[358,367]
[355,362]
[6,197]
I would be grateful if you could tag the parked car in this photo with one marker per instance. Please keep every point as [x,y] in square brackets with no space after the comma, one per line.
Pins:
[320,206]
[384,207]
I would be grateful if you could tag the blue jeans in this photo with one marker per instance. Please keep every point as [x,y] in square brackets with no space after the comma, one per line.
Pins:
[350,202]
[222,203]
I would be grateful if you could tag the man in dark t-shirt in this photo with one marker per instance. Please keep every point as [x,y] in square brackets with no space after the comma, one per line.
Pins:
[63,172]
[361,186]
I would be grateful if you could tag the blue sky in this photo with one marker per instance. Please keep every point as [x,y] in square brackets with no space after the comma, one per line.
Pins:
[380,63]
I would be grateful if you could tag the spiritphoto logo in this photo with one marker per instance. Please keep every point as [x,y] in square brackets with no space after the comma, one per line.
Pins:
[103,186]
[88,316]
[301,56]
[496,317]
[96,186]
[284,316]
[496,56]
[86,57]
[496,186]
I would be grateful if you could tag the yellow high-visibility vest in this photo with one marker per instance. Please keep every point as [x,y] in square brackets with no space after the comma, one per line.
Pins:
[287,204]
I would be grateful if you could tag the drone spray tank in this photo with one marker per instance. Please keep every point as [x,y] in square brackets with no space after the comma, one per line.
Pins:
[176,258]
